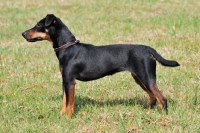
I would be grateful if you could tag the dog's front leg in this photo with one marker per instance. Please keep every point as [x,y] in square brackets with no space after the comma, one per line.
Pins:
[68,95]
[63,110]
[68,100]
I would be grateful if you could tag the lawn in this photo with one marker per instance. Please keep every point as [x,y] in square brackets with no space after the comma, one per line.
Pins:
[30,81]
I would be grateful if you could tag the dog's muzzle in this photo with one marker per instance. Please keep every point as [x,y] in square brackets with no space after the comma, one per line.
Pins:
[24,34]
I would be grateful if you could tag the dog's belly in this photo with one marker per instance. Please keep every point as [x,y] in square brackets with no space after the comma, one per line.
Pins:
[88,76]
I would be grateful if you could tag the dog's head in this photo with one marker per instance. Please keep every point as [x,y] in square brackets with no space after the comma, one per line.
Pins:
[42,30]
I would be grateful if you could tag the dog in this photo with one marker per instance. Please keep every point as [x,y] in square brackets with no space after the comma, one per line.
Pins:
[86,62]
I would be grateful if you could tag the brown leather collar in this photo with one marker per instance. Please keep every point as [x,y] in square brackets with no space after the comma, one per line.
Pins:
[66,46]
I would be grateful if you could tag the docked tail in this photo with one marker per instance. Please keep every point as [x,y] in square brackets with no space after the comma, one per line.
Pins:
[163,61]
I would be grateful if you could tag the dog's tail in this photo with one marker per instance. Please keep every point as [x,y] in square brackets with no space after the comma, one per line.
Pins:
[163,61]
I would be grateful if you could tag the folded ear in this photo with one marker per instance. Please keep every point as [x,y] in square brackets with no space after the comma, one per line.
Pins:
[50,19]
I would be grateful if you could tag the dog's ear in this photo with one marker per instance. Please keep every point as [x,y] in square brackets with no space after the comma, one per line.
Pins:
[50,19]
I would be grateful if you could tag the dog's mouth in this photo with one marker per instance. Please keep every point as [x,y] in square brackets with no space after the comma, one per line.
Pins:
[30,39]
[34,39]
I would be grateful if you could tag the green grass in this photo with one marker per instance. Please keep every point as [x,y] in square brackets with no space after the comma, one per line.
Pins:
[30,81]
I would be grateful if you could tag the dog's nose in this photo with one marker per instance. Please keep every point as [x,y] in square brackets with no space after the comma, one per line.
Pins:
[24,34]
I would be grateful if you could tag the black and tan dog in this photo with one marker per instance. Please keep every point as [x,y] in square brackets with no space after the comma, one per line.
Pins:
[87,62]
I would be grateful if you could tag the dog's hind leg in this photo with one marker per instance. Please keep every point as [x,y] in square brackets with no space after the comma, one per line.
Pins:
[159,96]
[146,77]
[152,102]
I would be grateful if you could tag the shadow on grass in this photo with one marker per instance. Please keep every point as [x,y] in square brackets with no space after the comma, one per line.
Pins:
[81,102]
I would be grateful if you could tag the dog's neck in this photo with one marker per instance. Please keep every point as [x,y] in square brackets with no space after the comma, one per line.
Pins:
[64,36]
[62,40]
[65,46]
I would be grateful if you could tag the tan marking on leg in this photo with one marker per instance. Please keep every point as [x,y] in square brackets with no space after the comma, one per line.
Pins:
[152,99]
[138,81]
[63,110]
[158,95]
[70,105]
[151,95]
[159,102]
